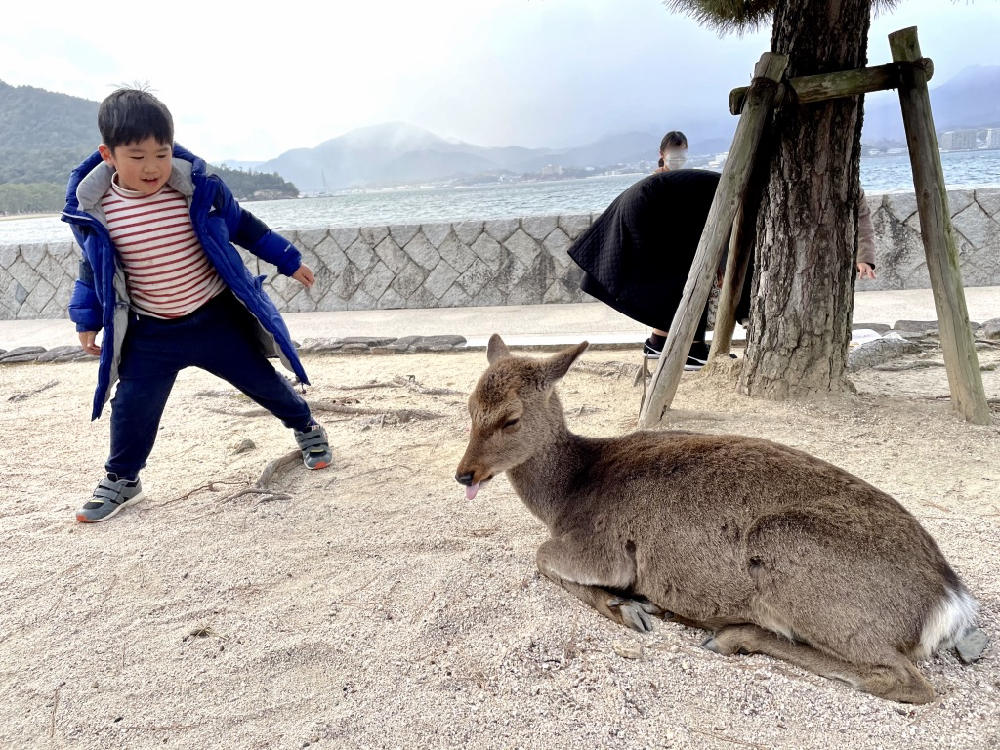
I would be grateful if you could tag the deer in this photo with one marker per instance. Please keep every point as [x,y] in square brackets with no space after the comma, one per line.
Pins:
[772,550]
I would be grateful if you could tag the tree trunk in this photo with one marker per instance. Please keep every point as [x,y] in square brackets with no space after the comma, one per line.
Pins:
[803,302]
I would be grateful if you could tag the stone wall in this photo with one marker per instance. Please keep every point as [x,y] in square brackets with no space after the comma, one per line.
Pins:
[503,262]
[899,252]
[472,263]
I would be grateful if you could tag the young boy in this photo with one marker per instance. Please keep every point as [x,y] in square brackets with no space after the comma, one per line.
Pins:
[160,276]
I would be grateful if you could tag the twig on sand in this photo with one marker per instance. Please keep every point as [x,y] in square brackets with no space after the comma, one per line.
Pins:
[409,382]
[364,386]
[274,495]
[378,470]
[922,364]
[341,600]
[935,505]
[401,415]
[260,487]
[726,738]
[210,487]
[617,370]
[991,401]
[420,612]
[55,707]
[570,651]
[22,396]
[277,465]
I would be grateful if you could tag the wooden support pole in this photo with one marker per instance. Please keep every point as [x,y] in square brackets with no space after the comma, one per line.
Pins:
[732,286]
[741,245]
[961,362]
[728,197]
[826,86]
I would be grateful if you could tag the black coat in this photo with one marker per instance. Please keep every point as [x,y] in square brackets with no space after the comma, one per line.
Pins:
[636,256]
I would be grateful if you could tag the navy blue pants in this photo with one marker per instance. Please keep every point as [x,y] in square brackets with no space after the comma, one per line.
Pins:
[218,337]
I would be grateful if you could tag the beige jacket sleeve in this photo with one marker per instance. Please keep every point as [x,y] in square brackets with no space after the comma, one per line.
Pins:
[866,232]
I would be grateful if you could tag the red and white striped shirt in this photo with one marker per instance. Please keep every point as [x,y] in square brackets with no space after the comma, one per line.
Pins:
[166,269]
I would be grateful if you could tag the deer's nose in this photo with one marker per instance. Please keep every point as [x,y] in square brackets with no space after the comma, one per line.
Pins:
[465,479]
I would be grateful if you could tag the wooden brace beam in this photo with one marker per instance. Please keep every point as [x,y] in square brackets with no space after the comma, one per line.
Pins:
[827,86]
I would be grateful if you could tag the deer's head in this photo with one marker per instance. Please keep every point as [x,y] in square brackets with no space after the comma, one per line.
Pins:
[515,412]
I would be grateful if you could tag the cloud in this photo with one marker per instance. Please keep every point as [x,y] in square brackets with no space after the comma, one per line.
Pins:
[252,82]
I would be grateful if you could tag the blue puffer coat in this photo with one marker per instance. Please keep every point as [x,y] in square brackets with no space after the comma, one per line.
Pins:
[100,297]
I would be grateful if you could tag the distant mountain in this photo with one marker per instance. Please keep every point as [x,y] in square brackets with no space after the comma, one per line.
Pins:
[239,163]
[711,146]
[416,166]
[248,185]
[613,149]
[43,135]
[970,99]
[33,118]
[394,153]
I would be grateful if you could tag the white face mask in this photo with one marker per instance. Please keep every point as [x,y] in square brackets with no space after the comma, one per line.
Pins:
[675,162]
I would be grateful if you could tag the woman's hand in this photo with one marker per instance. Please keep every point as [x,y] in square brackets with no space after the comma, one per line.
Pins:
[865,271]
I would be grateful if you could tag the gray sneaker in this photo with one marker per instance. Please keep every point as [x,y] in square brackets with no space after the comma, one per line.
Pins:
[316,453]
[111,495]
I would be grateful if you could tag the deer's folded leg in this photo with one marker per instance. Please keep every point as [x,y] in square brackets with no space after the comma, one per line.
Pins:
[896,678]
[587,567]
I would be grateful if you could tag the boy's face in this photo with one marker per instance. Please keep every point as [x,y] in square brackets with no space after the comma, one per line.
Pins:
[143,166]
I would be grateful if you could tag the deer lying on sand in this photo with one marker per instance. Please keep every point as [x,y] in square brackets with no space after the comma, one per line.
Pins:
[774,550]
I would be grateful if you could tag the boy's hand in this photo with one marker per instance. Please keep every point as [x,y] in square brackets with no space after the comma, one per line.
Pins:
[88,341]
[304,276]
[865,271]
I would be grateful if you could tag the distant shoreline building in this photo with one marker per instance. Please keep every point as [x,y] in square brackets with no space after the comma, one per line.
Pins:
[993,138]
[959,140]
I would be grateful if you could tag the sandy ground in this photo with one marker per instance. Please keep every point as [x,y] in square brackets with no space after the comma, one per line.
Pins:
[373,606]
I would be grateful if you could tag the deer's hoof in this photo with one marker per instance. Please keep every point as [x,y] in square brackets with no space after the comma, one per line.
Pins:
[634,616]
[712,645]
[652,609]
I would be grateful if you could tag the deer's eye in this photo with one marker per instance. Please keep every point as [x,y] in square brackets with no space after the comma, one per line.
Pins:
[510,423]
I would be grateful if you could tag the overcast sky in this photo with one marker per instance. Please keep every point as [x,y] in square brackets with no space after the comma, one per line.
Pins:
[244,83]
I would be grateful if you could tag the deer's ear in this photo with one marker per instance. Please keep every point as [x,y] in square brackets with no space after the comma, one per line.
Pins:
[556,366]
[496,349]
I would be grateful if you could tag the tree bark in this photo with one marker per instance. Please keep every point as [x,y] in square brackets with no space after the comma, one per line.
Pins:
[800,317]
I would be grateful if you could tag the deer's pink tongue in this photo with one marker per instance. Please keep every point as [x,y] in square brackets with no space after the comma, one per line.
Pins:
[471,491]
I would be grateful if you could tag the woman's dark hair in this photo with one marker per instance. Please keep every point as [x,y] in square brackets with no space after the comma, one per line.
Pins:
[660,162]
[673,138]
[131,115]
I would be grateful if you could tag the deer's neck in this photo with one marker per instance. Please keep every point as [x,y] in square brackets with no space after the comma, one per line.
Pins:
[545,482]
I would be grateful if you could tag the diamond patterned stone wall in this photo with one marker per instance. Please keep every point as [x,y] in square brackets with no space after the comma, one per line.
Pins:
[900,262]
[36,281]
[485,263]
[470,263]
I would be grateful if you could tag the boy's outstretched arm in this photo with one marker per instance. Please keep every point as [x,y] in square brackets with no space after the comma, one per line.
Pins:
[249,232]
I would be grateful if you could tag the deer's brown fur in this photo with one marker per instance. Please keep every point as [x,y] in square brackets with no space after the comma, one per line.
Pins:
[774,550]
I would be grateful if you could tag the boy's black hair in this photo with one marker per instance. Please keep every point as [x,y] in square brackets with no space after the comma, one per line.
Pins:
[673,138]
[131,115]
